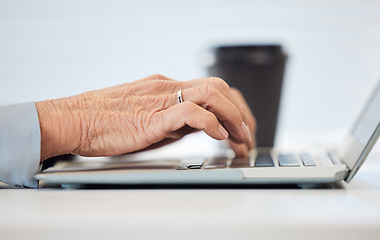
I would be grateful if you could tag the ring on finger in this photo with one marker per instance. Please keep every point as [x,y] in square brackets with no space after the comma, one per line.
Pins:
[179,96]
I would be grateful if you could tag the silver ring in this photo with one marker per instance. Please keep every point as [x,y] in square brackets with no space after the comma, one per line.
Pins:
[179,96]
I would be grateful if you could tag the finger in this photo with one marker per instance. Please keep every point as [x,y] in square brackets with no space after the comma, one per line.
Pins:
[240,149]
[214,101]
[190,114]
[251,121]
[222,86]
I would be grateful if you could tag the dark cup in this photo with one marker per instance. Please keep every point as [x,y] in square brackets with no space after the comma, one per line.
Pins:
[258,72]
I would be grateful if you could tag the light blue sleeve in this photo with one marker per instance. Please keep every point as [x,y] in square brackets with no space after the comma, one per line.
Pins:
[20,144]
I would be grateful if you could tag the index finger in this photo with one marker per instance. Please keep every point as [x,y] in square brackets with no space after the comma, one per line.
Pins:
[223,87]
[251,121]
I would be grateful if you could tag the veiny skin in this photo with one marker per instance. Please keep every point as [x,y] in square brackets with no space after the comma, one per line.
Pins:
[144,114]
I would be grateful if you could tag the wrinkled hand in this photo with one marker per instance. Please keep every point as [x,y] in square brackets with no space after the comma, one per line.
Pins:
[142,114]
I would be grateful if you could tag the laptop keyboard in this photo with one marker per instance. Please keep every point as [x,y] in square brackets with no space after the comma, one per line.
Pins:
[307,159]
[262,159]
[288,160]
[218,163]
[240,163]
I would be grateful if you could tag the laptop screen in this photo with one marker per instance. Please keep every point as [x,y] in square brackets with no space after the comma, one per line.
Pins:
[368,121]
[363,136]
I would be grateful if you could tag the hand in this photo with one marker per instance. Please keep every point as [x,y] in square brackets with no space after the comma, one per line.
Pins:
[144,113]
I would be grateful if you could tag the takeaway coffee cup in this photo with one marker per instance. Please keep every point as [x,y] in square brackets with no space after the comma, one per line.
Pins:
[258,72]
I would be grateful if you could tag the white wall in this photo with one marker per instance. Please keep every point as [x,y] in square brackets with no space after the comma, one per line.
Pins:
[50,49]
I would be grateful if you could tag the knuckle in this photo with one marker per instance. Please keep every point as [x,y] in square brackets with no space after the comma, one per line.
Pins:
[161,86]
[157,76]
[208,90]
[219,83]
[188,108]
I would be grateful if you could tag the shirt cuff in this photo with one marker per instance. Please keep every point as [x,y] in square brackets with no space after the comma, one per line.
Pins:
[20,144]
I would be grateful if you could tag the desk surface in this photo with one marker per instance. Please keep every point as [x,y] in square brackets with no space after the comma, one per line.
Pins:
[342,211]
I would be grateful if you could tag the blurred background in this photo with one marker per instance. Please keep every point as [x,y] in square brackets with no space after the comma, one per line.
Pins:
[51,49]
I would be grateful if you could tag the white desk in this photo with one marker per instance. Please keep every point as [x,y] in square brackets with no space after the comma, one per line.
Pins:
[344,211]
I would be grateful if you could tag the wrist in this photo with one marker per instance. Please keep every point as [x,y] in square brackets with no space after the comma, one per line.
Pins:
[59,132]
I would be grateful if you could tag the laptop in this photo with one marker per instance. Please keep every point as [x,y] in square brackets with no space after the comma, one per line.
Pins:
[263,166]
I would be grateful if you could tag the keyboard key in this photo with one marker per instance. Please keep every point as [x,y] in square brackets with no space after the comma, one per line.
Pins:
[307,160]
[194,166]
[288,160]
[240,163]
[264,160]
[191,163]
[216,163]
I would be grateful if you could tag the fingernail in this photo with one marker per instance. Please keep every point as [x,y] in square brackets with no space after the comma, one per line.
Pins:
[223,131]
[246,131]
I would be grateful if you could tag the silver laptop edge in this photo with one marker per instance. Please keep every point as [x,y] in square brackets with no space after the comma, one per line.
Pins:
[364,154]
[363,135]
